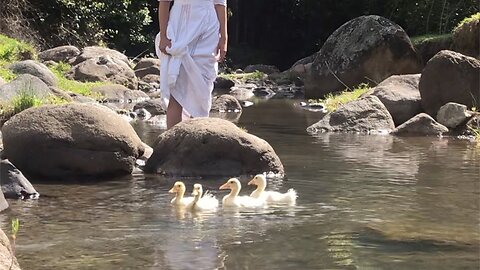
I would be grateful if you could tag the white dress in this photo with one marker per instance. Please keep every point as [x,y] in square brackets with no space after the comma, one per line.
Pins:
[189,71]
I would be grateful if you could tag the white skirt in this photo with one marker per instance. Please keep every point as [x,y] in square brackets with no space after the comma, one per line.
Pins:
[190,70]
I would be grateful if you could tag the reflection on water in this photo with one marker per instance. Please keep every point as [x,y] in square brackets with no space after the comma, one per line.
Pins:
[366,202]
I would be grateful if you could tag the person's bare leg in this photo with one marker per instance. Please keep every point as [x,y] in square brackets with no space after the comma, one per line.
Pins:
[174,112]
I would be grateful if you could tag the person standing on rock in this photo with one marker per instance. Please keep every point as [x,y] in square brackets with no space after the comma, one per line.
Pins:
[191,42]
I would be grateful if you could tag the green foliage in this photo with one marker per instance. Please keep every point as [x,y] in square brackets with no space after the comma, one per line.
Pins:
[333,101]
[243,77]
[13,50]
[474,17]
[82,88]
[6,73]
[430,38]
[24,100]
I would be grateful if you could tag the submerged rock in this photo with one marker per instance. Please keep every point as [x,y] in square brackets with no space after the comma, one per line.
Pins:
[453,114]
[363,49]
[366,115]
[211,147]
[422,124]
[71,140]
[14,184]
[450,77]
[401,97]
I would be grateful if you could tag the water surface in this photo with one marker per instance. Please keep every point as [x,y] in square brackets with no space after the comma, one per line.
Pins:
[366,202]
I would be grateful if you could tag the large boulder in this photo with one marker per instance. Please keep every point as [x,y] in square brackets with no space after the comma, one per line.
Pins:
[24,84]
[401,97]
[59,54]
[7,259]
[368,48]
[120,93]
[420,125]
[453,114]
[71,140]
[104,69]
[36,69]
[147,66]
[450,77]
[211,147]
[96,51]
[14,184]
[366,115]
[466,38]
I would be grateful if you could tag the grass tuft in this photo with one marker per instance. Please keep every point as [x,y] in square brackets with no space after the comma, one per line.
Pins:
[333,101]
[13,50]
[430,38]
[474,17]
[243,77]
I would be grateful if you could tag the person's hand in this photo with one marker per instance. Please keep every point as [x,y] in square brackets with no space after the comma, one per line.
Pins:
[221,49]
[164,43]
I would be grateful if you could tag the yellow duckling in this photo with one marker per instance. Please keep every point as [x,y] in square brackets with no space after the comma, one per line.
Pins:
[207,202]
[271,197]
[179,190]
[233,200]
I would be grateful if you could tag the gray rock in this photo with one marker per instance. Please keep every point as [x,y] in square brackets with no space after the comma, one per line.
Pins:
[267,69]
[24,83]
[401,97]
[223,83]
[465,39]
[81,99]
[119,93]
[14,184]
[96,52]
[3,202]
[366,115]
[154,106]
[104,69]
[363,49]
[2,81]
[61,94]
[147,66]
[453,114]
[422,124]
[450,77]
[211,147]
[36,69]
[59,54]
[6,254]
[71,140]
[226,103]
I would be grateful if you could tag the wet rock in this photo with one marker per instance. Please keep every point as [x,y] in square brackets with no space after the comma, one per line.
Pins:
[14,184]
[314,107]
[366,115]
[71,140]
[363,49]
[96,52]
[223,83]
[401,97]
[24,83]
[147,66]
[450,77]
[453,114]
[465,39]
[120,93]
[59,54]
[36,69]
[226,103]
[6,254]
[211,147]
[153,106]
[104,69]
[420,125]
[267,69]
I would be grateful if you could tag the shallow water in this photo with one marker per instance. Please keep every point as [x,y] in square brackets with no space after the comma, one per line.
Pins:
[366,202]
